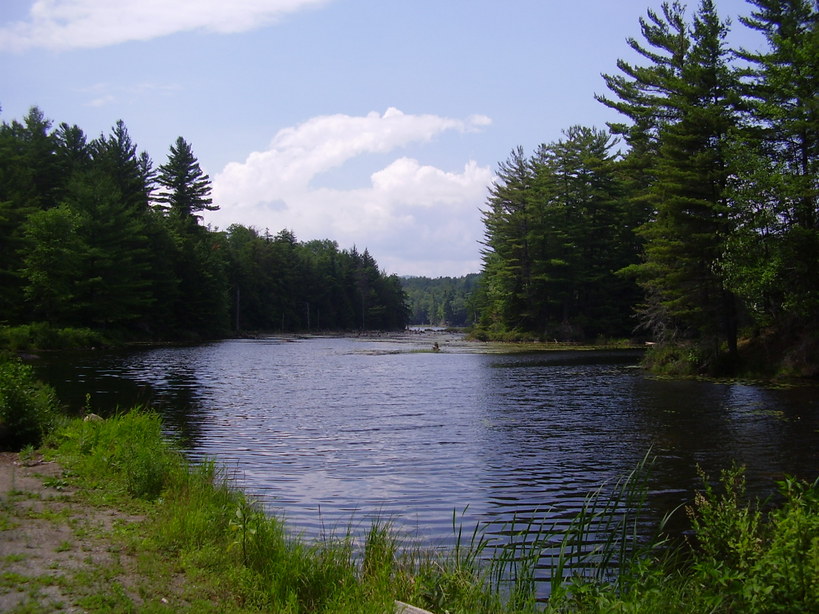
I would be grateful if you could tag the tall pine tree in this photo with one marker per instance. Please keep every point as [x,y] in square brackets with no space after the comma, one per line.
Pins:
[200,257]
[184,189]
[682,107]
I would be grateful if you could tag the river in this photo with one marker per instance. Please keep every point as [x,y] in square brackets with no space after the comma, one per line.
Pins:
[331,432]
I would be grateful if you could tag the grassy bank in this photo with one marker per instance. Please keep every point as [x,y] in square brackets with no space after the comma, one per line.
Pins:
[200,532]
[202,546]
[197,544]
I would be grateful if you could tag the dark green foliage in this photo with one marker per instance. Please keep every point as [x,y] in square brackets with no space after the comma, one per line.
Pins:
[28,408]
[557,230]
[116,157]
[772,258]
[711,209]
[184,189]
[682,108]
[81,246]
[444,301]
[30,180]
[53,262]
[278,283]
[42,335]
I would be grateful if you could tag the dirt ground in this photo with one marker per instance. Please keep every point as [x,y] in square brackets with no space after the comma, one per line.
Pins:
[48,537]
[59,554]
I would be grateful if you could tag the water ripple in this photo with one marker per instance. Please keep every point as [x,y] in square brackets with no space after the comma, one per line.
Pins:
[329,432]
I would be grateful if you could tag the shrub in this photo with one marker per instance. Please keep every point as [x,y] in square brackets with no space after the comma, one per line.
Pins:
[43,336]
[28,407]
[758,562]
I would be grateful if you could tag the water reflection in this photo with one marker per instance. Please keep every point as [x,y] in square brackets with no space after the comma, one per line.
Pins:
[325,430]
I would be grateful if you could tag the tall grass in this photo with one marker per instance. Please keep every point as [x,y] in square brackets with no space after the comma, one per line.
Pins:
[604,537]
[247,562]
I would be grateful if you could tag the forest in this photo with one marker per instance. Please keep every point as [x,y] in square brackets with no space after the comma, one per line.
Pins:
[443,301]
[93,237]
[693,222]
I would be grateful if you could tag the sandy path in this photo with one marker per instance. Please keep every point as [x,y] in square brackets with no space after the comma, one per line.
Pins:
[47,537]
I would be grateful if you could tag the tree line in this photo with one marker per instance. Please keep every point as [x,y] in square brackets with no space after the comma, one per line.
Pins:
[91,235]
[698,211]
[442,301]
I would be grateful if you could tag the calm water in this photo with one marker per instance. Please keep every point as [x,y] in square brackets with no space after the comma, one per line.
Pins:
[329,431]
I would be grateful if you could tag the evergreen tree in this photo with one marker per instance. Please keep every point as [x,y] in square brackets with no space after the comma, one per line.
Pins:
[507,256]
[249,277]
[202,303]
[772,260]
[556,231]
[81,245]
[89,261]
[52,264]
[30,180]
[443,301]
[184,189]
[583,232]
[73,150]
[116,156]
[683,105]
[199,258]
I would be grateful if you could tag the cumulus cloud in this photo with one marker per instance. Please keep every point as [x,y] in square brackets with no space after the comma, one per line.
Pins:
[65,24]
[415,218]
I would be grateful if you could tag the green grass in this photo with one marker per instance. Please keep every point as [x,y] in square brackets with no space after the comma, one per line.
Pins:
[204,546]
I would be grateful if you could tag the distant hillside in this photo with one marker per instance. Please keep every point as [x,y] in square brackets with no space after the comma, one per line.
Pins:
[443,301]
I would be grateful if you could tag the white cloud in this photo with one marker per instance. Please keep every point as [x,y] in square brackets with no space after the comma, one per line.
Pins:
[65,24]
[103,94]
[101,101]
[414,218]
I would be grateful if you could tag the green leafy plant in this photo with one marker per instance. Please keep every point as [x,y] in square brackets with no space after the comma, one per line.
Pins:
[243,524]
[762,563]
[28,408]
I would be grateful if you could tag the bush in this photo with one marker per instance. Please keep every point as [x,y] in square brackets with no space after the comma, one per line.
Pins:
[28,408]
[759,563]
[43,336]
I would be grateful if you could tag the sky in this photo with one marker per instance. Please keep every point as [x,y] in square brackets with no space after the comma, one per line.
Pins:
[377,124]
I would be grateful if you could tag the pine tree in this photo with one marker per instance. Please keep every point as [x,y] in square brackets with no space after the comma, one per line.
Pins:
[773,261]
[184,189]
[682,107]
[556,232]
[201,305]
[116,156]
[52,264]
[89,260]
[582,235]
[507,253]
[30,180]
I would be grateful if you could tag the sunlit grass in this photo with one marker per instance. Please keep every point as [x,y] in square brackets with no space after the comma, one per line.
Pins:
[204,546]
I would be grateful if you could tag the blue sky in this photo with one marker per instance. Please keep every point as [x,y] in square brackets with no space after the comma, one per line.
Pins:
[374,123]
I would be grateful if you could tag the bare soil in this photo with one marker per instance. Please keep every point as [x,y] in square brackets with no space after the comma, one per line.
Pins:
[49,539]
